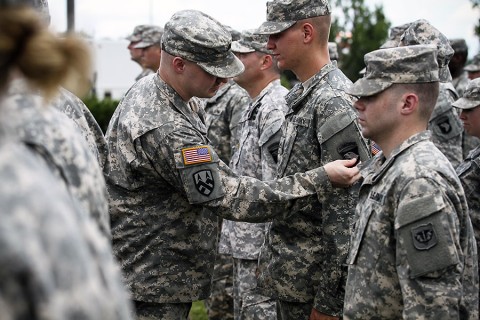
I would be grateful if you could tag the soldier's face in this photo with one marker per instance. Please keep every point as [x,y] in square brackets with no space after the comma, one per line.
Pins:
[287,46]
[377,115]
[471,121]
[200,83]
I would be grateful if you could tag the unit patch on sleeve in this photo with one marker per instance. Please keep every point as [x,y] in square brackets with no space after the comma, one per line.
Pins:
[196,155]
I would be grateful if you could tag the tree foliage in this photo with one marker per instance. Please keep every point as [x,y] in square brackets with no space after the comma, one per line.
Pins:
[364,30]
[476,4]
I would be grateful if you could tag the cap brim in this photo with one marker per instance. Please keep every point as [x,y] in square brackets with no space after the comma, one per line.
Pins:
[471,68]
[229,67]
[240,48]
[273,27]
[142,45]
[465,103]
[367,87]
[133,38]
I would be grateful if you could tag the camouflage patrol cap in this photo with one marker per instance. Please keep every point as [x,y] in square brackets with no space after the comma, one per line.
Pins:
[410,64]
[282,14]
[197,37]
[151,36]
[422,32]
[234,33]
[459,45]
[251,42]
[471,96]
[394,36]
[333,50]
[137,32]
[474,65]
[40,5]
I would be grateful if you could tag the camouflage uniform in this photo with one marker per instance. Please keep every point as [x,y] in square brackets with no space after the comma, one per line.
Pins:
[469,170]
[166,183]
[75,109]
[412,252]
[299,263]
[222,115]
[457,63]
[50,132]
[55,264]
[256,157]
[134,38]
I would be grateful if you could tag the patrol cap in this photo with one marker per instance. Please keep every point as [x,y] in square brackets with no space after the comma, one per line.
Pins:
[410,64]
[197,37]
[251,42]
[471,96]
[459,45]
[137,32]
[394,36]
[422,32]
[333,50]
[234,33]
[40,5]
[474,65]
[151,36]
[282,14]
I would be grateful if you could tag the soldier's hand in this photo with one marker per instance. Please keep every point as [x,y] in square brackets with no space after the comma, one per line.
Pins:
[342,173]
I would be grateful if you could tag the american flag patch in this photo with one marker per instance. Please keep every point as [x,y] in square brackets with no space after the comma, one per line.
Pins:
[196,155]
[375,148]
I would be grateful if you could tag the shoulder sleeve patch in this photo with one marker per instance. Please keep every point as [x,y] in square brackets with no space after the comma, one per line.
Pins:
[195,155]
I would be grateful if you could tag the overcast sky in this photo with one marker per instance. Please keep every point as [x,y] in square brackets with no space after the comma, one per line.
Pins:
[115,19]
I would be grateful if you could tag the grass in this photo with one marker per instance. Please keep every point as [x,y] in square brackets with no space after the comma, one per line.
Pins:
[198,311]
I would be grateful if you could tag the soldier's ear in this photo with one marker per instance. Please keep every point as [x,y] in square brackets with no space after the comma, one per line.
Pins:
[409,102]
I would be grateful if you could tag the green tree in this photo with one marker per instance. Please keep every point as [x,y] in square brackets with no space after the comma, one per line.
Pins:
[364,31]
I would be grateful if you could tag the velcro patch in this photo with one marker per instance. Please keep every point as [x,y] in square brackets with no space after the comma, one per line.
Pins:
[196,155]
[424,237]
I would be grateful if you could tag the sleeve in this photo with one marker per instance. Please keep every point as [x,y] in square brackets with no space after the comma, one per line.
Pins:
[428,251]
[188,164]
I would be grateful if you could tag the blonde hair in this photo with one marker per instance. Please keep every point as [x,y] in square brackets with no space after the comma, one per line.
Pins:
[46,60]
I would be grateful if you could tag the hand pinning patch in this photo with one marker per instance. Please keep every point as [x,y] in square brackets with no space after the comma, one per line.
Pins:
[424,237]
[196,155]
[204,182]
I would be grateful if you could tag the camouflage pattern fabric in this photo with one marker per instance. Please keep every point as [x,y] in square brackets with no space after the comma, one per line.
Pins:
[298,262]
[223,114]
[166,184]
[281,15]
[50,133]
[151,36]
[145,72]
[474,65]
[469,174]
[460,83]
[219,305]
[156,311]
[412,253]
[256,157]
[252,305]
[77,111]
[260,133]
[446,126]
[55,264]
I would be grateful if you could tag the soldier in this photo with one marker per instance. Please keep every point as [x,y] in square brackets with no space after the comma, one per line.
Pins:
[412,254]
[457,63]
[222,116]
[54,133]
[473,68]
[469,170]
[136,53]
[300,266]
[166,183]
[446,127]
[256,156]
[150,45]
[55,263]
